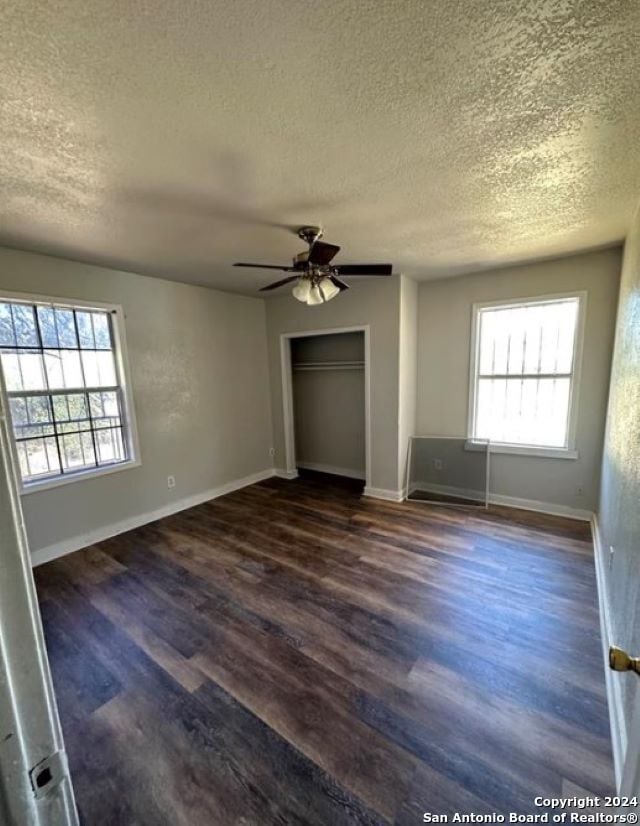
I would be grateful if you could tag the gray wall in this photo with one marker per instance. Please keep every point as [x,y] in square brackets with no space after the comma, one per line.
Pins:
[329,404]
[407,372]
[443,368]
[619,512]
[460,472]
[376,304]
[200,389]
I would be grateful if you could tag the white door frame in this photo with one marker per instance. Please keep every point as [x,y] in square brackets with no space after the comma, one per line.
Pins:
[37,789]
[287,393]
[630,780]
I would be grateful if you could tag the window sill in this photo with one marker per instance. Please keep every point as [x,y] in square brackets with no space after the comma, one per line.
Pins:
[525,450]
[80,476]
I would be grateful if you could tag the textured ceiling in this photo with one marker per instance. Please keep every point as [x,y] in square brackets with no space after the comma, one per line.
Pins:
[173,137]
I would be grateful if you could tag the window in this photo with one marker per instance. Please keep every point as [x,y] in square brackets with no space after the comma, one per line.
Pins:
[524,361]
[63,378]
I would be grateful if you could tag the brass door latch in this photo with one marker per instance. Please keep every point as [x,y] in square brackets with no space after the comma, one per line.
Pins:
[619,660]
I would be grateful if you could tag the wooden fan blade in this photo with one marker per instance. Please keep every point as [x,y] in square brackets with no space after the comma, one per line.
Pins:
[279,283]
[322,253]
[365,269]
[339,284]
[264,266]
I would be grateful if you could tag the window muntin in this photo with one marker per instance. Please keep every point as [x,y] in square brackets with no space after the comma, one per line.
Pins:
[525,360]
[65,392]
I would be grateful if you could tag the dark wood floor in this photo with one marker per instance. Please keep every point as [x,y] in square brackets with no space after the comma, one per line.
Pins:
[295,654]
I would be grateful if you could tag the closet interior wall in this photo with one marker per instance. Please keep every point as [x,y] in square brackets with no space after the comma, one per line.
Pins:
[328,403]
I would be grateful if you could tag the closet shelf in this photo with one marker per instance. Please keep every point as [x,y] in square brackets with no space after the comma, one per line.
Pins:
[329,365]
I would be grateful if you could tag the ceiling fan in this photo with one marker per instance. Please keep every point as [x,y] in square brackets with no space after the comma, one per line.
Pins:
[317,278]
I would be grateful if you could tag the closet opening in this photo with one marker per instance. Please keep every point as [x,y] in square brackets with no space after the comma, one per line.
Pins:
[326,401]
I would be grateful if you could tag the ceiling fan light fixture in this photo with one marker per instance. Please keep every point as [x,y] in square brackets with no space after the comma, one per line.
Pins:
[301,290]
[316,278]
[315,296]
[328,289]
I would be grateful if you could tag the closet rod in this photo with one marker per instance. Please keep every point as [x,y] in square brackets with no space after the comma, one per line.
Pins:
[329,365]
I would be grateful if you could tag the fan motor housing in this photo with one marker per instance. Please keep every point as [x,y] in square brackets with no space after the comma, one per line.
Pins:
[310,234]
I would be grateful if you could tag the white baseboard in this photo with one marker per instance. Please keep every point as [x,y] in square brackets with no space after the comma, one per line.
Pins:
[447,490]
[508,501]
[333,470]
[542,507]
[68,546]
[285,474]
[619,736]
[384,493]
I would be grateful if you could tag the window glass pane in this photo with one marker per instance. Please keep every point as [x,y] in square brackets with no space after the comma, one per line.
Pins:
[85,329]
[64,369]
[31,430]
[11,370]
[110,446]
[524,342]
[21,449]
[105,409]
[31,417]
[60,408]
[102,330]
[19,411]
[523,411]
[486,343]
[38,457]
[99,368]
[106,369]
[25,326]
[71,413]
[53,365]
[51,350]
[23,371]
[111,404]
[7,335]
[72,369]
[494,341]
[66,328]
[568,324]
[96,403]
[32,371]
[538,338]
[47,324]
[516,342]
[77,451]
[88,451]
[533,339]
[38,408]
[77,404]
[90,368]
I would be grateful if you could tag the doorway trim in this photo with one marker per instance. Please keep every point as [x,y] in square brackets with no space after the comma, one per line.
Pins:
[287,394]
[33,760]
[630,779]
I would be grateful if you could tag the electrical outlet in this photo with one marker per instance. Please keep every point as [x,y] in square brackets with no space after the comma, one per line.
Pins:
[612,551]
[272,452]
[580,491]
[437,463]
[171,482]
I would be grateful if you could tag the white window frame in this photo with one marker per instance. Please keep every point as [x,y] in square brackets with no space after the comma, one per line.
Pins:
[569,451]
[124,380]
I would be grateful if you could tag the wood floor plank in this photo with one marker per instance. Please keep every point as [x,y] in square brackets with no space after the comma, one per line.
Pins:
[295,654]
